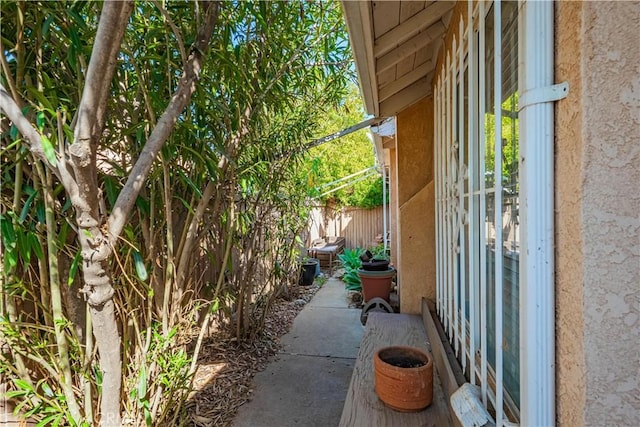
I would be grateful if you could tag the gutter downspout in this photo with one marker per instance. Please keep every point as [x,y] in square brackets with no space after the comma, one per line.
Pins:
[536,163]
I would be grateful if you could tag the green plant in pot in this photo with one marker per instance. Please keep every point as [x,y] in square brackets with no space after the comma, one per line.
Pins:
[376,275]
[375,259]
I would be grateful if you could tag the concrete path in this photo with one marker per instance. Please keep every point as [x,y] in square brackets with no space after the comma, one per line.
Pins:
[307,384]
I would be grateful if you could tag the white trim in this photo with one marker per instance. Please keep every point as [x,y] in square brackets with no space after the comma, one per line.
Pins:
[473,267]
[455,211]
[462,332]
[447,178]
[483,212]
[497,209]
[436,178]
[385,207]
[537,327]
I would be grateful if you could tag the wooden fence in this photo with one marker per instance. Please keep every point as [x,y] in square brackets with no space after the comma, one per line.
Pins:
[360,227]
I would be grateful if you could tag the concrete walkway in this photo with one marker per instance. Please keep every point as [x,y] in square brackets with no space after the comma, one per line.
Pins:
[307,384]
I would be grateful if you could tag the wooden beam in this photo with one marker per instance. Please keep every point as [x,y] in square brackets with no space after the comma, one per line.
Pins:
[444,359]
[360,29]
[410,47]
[407,96]
[404,81]
[410,27]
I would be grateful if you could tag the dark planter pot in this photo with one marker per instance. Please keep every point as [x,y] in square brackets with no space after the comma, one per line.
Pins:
[376,284]
[308,272]
[404,378]
[375,265]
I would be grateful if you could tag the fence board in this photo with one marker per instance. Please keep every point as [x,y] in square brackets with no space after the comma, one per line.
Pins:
[360,227]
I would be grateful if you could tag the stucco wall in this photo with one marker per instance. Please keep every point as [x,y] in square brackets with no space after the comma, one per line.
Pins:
[417,249]
[416,204]
[598,204]
[570,378]
[611,205]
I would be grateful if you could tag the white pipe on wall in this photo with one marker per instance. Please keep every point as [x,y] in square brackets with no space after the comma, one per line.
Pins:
[537,327]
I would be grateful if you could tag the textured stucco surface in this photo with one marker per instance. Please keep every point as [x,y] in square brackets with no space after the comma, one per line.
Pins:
[610,211]
[417,273]
[416,204]
[570,377]
[414,148]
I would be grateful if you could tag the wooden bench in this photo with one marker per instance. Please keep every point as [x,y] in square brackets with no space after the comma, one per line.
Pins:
[326,250]
[362,406]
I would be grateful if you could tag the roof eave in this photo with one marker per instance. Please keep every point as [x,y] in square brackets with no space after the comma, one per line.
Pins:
[360,28]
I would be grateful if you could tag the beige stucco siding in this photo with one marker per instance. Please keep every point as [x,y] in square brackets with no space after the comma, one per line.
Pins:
[416,204]
[610,210]
[570,378]
[598,208]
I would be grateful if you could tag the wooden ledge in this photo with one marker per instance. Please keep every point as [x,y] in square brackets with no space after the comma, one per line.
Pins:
[362,406]
[444,359]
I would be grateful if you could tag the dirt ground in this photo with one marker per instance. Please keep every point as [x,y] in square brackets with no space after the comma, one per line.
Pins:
[223,380]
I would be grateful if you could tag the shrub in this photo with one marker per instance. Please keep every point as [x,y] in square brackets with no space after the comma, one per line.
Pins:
[350,259]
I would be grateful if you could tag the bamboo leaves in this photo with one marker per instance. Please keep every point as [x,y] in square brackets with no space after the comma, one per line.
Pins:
[215,219]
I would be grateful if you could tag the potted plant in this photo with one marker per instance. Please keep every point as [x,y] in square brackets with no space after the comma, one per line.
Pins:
[376,276]
[378,261]
[404,378]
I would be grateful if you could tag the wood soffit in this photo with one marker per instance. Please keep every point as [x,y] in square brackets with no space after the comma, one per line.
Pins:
[396,45]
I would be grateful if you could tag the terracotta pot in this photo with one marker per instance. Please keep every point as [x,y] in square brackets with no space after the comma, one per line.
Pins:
[376,283]
[404,378]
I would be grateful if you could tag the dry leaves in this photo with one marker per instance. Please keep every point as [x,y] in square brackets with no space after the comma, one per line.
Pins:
[226,368]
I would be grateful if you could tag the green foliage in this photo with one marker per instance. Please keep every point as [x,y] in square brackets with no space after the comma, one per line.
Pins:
[378,252]
[510,144]
[350,259]
[43,400]
[165,370]
[339,158]
[273,71]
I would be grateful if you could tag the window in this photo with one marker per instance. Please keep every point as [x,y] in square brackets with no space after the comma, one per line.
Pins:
[478,203]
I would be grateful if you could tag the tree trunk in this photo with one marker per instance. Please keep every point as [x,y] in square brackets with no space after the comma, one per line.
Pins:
[77,171]
[108,340]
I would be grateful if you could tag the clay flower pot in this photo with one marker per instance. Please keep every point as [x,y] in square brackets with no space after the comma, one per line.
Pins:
[404,378]
[376,284]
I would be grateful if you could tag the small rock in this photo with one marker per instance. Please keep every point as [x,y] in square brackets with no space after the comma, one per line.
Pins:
[300,302]
[354,297]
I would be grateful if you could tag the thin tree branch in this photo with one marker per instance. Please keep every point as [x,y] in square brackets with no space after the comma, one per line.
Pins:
[7,74]
[166,123]
[92,108]
[13,111]
[174,28]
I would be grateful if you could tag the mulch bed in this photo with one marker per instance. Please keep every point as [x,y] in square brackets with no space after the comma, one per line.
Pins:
[226,369]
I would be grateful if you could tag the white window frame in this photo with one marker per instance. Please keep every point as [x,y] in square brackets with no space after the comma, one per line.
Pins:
[536,304]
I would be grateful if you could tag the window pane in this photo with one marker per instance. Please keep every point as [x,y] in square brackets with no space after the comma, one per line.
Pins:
[510,201]
[510,206]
